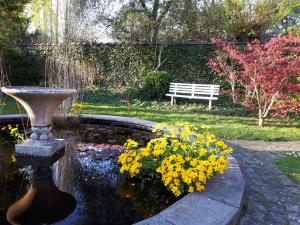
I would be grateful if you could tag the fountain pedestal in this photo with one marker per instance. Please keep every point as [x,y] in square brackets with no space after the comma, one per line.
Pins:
[40,104]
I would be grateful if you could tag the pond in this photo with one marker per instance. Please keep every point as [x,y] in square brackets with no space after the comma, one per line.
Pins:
[89,171]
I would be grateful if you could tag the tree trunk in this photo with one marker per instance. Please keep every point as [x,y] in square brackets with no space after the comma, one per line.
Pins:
[260,117]
[261,121]
[155,31]
[233,92]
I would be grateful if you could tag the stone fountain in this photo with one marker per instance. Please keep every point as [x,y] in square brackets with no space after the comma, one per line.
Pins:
[44,202]
[40,104]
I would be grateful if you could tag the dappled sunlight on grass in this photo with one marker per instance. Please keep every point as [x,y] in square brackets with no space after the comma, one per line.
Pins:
[225,126]
[231,127]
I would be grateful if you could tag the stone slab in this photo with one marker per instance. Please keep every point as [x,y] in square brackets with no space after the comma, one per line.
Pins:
[195,209]
[30,148]
[232,183]
[155,220]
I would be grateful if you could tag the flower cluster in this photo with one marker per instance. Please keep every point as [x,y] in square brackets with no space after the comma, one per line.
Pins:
[293,154]
[77,108]
[184,157]
[14,132]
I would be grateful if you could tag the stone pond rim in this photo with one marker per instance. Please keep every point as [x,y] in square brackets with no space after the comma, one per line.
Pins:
[220,204]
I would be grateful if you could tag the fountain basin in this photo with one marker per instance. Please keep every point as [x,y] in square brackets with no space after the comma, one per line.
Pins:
[40,104]
[221,202]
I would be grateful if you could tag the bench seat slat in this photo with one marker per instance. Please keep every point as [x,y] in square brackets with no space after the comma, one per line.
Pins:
[196,88]
[199,85]
[195,93]
[190,89]
[193,90]
[192,97]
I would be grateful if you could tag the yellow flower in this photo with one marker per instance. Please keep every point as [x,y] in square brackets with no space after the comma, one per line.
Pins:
[184,147]
[185,134]
[199,187]
[202,151]
[194,162]
[145,152]
[131,144]
[184,157]
[13,158]
[158,152]
[14,130]
[191,189]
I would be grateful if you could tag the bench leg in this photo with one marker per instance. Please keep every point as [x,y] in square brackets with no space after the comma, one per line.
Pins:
[210,104]
[172,100]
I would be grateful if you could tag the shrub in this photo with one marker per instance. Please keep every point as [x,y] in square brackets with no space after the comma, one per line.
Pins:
[156,85]
[184,157]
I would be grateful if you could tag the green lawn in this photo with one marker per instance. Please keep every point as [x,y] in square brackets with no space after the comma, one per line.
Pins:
[10,107]
[290,165]
[228,122]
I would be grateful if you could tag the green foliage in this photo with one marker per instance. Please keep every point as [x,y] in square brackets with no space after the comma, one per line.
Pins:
[242,20]
[156,84]
[24,69]
[12,23]
[293,29]
[165,20]
[188,63]
[14,132]
[141,20]
[116,65]
[47,24]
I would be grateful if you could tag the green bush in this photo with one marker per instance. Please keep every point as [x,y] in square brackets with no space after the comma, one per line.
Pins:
[156,85]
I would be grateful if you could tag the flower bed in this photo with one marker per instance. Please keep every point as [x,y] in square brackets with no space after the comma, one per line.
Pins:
[184,157]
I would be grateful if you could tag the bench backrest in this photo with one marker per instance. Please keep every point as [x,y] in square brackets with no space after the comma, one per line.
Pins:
[195,89]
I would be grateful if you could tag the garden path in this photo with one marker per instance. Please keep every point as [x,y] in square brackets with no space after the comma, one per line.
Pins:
[273,199]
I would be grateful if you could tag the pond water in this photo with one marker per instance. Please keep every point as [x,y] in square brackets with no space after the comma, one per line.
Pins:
[89,171]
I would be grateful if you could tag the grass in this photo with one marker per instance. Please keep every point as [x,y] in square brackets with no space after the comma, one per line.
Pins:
[10,106]
[226,120]
[290,166]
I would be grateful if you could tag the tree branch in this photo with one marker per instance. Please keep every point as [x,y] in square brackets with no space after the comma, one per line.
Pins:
[165,9]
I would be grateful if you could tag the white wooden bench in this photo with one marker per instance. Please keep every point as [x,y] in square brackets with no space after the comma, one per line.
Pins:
[208,92]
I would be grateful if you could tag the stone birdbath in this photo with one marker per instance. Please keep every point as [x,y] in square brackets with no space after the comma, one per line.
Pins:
[44,202]
[40,104]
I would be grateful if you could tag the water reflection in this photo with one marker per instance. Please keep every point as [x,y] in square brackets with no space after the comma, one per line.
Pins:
[89,172]
[44,202]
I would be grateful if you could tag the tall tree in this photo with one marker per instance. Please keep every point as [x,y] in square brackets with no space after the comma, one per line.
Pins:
[245,19]
[141,16]
[266,72]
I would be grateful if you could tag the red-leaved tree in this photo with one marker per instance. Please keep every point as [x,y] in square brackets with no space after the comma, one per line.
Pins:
[266,72]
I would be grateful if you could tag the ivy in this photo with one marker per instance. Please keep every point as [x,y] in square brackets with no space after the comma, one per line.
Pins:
[115,65]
